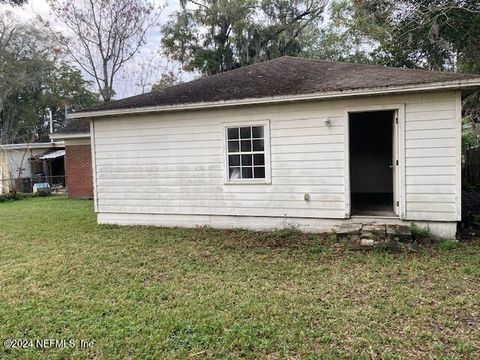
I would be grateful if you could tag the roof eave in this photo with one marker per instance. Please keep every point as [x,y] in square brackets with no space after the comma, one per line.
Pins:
[62,136]
[30,146]
[446,85]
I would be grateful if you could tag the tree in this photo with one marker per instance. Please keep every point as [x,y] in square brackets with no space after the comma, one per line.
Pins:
[24,59]
[430,34]
[291,25]
[32,81]
[168,78]
[212,50]
[347,36]
[60,89]
[153,72]
[104,35]
[13,2]
[214,36]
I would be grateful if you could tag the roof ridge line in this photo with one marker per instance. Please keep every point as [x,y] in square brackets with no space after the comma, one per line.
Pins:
[379,66]
[192,81]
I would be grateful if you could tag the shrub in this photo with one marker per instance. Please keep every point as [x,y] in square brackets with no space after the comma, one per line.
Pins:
[13,196]
[447,245]
[419,233]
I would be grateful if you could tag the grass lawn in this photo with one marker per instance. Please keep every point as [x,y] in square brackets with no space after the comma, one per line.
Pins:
[154,293]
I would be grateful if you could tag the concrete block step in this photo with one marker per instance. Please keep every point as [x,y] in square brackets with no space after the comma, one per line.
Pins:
[374,231]
[370,236]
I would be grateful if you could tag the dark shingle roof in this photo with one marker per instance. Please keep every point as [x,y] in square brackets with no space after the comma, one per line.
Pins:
[76,126]
[281,77]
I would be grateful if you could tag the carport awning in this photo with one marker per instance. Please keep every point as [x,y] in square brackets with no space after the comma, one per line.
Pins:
[52,155]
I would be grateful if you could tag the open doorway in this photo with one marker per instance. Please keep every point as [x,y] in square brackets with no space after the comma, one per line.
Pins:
[372,163]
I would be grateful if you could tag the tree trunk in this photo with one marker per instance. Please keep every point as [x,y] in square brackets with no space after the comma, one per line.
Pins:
[106,91]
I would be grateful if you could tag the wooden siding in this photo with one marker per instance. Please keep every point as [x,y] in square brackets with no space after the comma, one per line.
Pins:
[173,163]
[432,156]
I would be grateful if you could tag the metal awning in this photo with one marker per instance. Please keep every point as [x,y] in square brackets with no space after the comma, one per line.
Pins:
[52,155]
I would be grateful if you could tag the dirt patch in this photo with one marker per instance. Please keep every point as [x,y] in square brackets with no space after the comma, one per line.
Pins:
[279,239]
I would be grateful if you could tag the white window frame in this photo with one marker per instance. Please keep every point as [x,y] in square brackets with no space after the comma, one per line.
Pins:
[266,144]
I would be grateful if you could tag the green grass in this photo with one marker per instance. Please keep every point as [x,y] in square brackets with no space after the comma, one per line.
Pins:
[156,293]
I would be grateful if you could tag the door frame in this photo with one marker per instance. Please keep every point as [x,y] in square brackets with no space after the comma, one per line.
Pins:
[399,190]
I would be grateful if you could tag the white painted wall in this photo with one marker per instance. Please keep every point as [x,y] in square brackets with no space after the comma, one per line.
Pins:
[173,163]
[19,161]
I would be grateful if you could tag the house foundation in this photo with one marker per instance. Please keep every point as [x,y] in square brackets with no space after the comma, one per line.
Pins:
[444,230]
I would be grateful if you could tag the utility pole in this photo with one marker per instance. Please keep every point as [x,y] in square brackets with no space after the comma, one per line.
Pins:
[50,121]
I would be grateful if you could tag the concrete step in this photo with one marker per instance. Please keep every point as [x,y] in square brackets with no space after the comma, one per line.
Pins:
[373,232]
[400,233]
[370,236]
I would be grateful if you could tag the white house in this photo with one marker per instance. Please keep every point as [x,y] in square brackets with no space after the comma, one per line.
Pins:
[289,142]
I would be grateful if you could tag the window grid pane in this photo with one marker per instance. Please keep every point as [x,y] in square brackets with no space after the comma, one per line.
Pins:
[257,132]
[259,172]
[246,132]
[246,152]
[234,160]
[233,133]
[233,146]
[247,172]
[246,145]
[259,159]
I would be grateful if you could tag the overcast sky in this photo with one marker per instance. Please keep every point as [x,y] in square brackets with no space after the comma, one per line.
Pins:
[126,83]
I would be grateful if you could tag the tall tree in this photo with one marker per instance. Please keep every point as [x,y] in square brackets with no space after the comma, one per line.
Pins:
[24,60]
[431,34]
[213,36]
[346,36]
[104,35]
[33,81]
[61,88]
[200,35]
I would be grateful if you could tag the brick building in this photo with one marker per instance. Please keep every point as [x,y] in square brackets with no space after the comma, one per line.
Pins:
[78,158]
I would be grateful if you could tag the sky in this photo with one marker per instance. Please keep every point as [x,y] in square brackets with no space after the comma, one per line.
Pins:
[127,82]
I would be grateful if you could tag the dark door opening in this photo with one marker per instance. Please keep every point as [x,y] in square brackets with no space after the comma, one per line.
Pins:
[371,163]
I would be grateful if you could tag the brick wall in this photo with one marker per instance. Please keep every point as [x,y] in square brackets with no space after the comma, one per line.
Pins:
[78,171]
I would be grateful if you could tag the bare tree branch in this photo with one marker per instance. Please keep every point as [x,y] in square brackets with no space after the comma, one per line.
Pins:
[104,34]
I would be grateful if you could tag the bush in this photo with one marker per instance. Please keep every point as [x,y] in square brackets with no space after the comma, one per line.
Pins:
[13,196]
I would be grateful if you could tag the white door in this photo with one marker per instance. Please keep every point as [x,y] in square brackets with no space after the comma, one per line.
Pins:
[395,164]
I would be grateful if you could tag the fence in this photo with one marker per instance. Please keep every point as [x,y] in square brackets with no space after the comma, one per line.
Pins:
[26,184]
[471,168]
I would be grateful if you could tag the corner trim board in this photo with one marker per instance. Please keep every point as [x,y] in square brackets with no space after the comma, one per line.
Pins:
[94,165]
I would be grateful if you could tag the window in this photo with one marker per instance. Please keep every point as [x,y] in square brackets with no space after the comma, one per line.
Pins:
[246,153]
